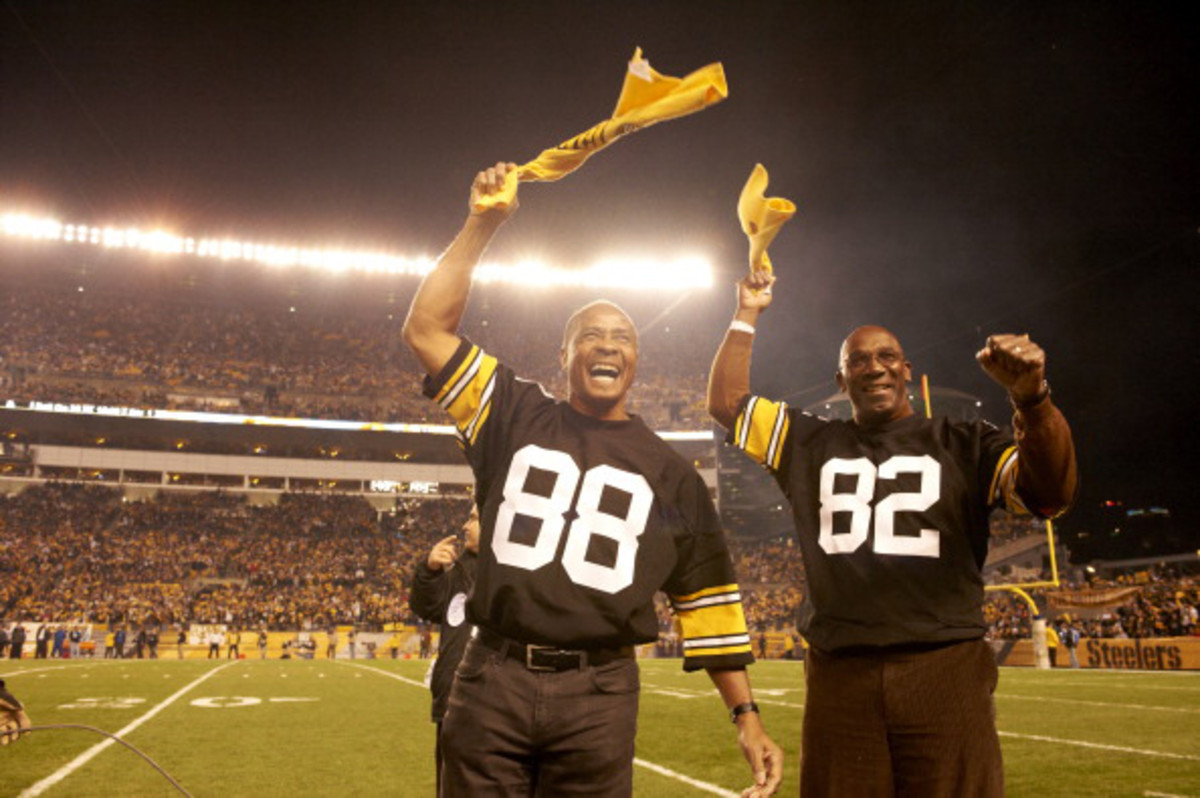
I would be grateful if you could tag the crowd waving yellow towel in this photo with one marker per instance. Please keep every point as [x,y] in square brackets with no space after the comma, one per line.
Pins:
[761,217]
[646,98]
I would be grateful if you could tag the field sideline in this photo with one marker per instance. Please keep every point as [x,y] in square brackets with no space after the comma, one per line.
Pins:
[316,727]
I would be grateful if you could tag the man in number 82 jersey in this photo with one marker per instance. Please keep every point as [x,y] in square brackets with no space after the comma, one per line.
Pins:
[891,512]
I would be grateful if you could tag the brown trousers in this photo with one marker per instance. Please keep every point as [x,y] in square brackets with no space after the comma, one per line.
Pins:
[510,731]
[901,723]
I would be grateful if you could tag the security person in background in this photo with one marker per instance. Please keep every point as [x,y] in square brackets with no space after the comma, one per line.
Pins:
[440,587]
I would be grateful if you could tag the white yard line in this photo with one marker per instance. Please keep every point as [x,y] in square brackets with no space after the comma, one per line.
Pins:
[81,760]
[12,674]
[1173,688]
[1121,749]
[1152,794]
[774,703]
[1101,673]
[1082,702]
[388,674]
[699,785]
[689,693]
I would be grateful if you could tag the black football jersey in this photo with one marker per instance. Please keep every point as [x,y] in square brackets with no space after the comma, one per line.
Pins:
[583,521]
[892,521]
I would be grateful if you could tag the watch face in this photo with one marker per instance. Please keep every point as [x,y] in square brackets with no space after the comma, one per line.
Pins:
[456,613]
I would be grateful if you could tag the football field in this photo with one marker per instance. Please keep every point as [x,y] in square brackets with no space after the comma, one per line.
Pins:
[319,728]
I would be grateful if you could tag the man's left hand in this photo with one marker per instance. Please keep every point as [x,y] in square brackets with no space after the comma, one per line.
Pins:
[1017,363]
[764,756]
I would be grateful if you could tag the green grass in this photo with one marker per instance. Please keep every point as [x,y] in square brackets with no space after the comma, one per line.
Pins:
[363,728]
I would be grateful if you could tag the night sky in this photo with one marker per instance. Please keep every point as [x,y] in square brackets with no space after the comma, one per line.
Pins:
[960,167]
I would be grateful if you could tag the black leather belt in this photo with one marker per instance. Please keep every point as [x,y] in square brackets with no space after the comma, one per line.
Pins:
[550,658]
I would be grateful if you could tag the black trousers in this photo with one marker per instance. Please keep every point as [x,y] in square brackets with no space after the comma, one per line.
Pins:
[511,731]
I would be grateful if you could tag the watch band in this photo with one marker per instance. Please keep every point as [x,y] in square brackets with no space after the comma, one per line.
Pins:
[742,709]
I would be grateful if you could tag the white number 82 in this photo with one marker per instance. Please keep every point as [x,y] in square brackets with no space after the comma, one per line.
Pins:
[858,504]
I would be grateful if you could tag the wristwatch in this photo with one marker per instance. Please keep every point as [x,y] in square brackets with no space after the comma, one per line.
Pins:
[742,709]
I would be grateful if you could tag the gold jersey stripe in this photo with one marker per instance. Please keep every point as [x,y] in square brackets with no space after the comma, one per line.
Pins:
[455,383]
[471,430]
[484,412]
[469,398]
[714,621]
[761,429]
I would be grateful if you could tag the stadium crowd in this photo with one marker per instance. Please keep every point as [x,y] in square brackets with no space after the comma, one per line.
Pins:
[155,352]
[1165,604]
[81,554]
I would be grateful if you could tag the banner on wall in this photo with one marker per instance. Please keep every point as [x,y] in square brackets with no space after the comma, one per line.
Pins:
[1152,654]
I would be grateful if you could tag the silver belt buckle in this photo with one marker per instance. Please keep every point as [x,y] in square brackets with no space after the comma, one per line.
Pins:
[529,650]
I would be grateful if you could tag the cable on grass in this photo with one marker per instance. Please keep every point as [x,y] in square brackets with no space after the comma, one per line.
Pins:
[111,736]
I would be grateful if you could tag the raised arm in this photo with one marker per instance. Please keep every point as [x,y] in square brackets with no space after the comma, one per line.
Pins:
[1046,477]
[764,756]
[431,329]
[729,379]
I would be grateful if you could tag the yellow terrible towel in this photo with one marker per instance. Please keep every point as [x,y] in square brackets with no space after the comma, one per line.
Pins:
[761,217]
[646,98]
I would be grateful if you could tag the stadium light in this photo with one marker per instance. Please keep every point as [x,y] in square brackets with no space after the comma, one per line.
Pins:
[637,273]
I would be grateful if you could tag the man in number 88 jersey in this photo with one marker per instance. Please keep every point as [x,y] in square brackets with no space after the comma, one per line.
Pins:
[585,514]
[891,511]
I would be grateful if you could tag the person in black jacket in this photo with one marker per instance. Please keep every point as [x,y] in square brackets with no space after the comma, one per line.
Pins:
[41,640]
[439,593]
[16,641]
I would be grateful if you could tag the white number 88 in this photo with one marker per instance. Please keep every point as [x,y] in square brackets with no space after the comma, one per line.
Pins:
[591,520]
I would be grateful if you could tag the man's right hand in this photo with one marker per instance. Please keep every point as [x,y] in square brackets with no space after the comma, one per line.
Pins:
[443,555]
[492,181]
[431,328]
[754,291]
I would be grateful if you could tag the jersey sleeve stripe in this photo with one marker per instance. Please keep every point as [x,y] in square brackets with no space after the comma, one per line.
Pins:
[467,401]
[485,406]
[455,378]
[712,642]
[691,654]
[1012,497]
[742,425]
[461,378]
[778,434]
[1004,483]
[716,590]
[761,430]
[1002,465]
[709,601]
[723,622]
